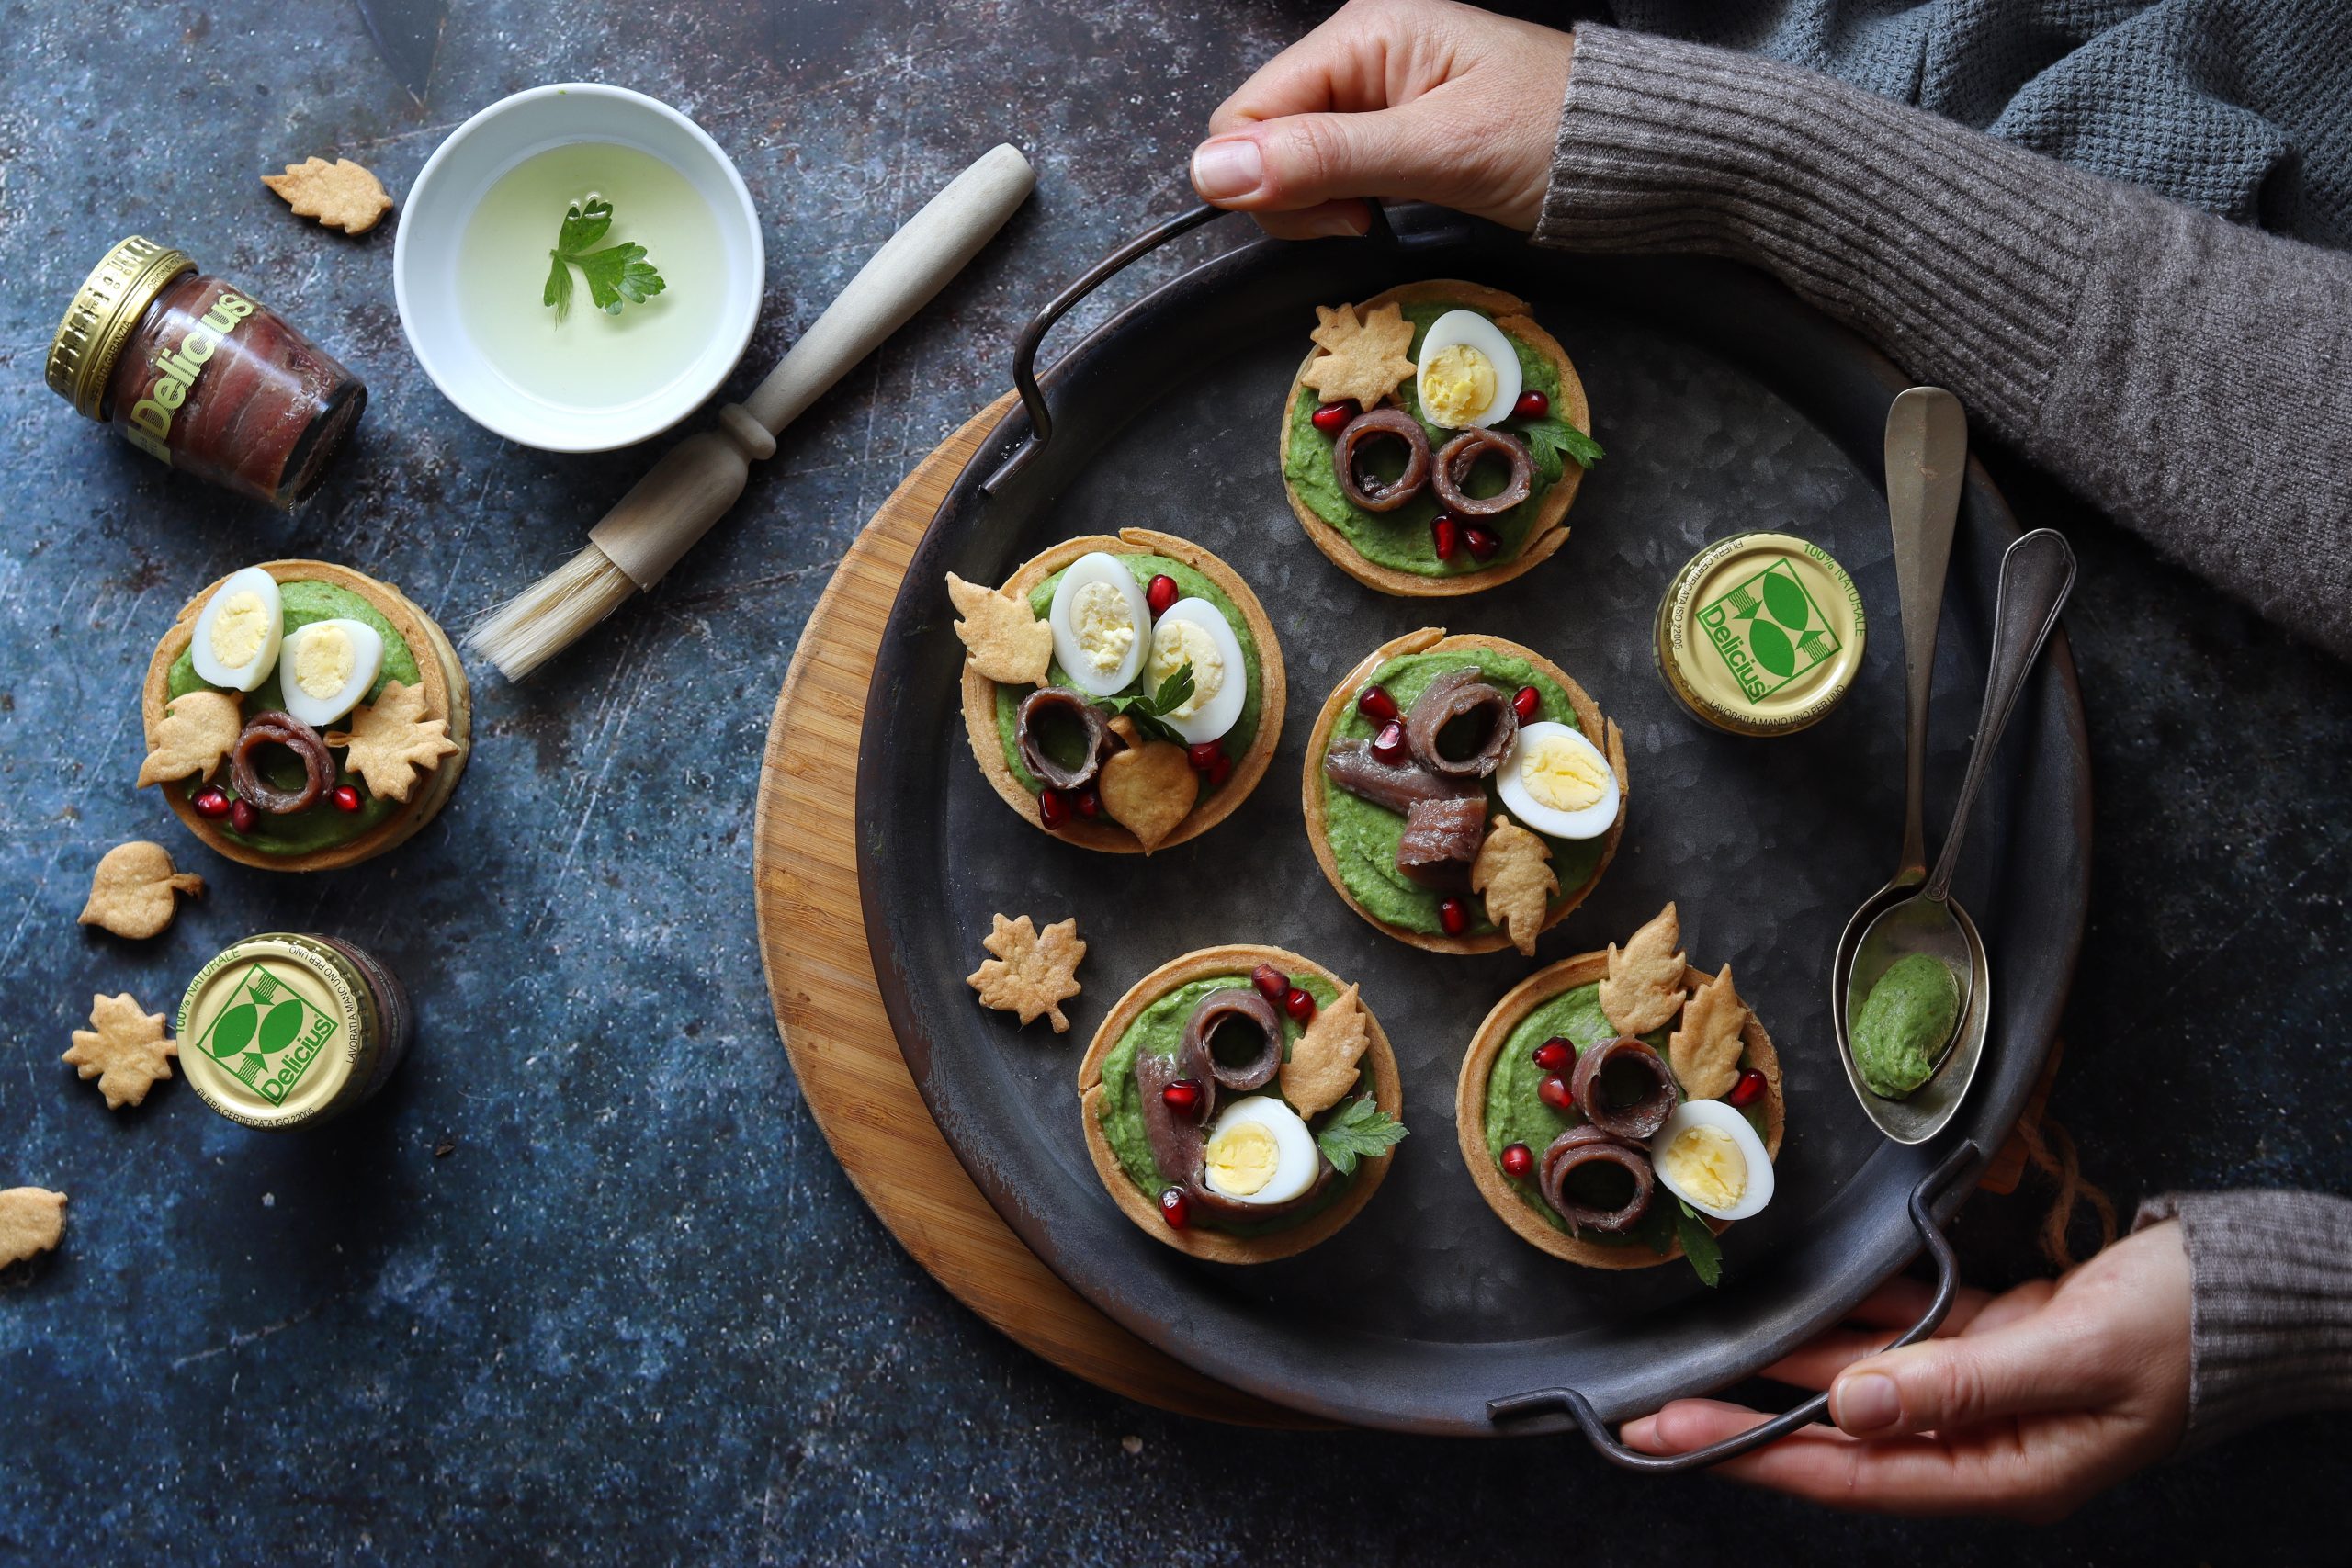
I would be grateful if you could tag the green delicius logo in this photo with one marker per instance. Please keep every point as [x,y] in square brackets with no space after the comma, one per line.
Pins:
[268,1036]
[1768,631]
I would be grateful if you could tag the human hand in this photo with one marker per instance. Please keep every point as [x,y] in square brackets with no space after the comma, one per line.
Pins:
[2024,1404]
[1414,99]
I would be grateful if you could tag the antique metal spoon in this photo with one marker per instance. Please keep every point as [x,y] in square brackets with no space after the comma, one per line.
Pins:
[2037,573]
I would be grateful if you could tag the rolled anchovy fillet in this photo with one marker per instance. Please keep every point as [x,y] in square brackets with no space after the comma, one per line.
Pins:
[1441,841]
[1176,1141]
[275,728]
[1050,702]
[1451,470]
[1382,425]
[1242,1002]
[1461,694]
[1640,1120]
[1580,1146]
[1396,786]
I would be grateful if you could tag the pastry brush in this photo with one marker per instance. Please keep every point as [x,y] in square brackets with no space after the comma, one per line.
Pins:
[684,492]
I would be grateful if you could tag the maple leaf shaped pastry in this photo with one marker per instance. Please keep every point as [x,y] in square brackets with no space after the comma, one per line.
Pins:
[1644,987]
[390,741]
[32,1218]
[1033,972]
[131,891]
[124,1049]
[196,731]
[1512,871]
[340,195]
[1003,636]
[1705,1050]
[1362,359]
[1322,1066]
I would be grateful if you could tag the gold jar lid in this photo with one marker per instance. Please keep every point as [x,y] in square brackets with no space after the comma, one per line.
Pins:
[278,1031]
[1760,634]
[104,314]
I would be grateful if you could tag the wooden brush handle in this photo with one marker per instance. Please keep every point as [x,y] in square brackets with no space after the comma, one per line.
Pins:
[696,480]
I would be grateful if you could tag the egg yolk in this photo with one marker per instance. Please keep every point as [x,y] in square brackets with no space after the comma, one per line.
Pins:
[1457,385]
[1174,645]
[1562,775]
[240,630]
[323,661]
[1708,1164]
[1242,1158]
[1098,620]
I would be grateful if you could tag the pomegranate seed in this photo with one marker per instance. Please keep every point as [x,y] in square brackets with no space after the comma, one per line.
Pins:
[1377,704]
[1531,405]
[1053,809]
[346,799]
[1482,543]
[1160,595]
[1182,1096]
[1272,982]
[243,817]
[1554,1092]
[1745,1091]
[211,802]
[1454,916]
[1518,1159]
[1445,536]
[1203,755]
[1088,802]
[1389,744]
[1527,702]
[1556,1055]
[1332,418]
[1299,1005]
[1175,1208]
[1221,771]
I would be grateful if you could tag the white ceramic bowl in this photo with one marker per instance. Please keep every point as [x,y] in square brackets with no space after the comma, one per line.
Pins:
[463,168]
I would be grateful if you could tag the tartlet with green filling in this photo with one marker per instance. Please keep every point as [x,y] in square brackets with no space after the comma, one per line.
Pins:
[1462,792]
[1240,1103]
[1433,440]
[301,715]
[1123,693]
[1622,1109]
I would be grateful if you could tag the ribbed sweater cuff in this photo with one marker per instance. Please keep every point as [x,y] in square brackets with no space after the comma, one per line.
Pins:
[2271,1305]
[1879,213]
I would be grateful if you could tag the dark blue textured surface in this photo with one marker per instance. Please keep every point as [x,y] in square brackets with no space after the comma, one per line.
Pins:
[635,1312]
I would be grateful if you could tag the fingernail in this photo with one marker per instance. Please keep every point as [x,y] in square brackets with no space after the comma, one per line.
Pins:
[1333,226]
[1867,1402]
[1227,167]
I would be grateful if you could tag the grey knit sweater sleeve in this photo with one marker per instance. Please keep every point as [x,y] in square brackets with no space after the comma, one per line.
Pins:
[2191,377]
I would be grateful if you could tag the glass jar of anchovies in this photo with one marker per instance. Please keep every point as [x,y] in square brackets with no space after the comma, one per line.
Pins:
[286,1030]
[1760,634]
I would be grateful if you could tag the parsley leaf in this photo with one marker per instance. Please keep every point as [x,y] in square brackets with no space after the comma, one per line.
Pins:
[1147,711]
[1360,1128]
[616,274]
[1547,439]
[1699,1245]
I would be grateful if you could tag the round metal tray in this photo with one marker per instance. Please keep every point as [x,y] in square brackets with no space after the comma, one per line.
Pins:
[1724,404]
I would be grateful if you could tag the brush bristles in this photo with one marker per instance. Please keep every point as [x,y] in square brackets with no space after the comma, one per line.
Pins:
[550,616]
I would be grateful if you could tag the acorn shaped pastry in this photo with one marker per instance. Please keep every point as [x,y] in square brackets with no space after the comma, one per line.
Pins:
[1434,438]
[302,716]
[1240,1103]
[1462,792]
[1622,1109]
[1125,693]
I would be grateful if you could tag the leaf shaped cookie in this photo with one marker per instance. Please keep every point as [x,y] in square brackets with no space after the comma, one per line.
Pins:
[1644,987]
[1003,638]
[1033,972]
[1322,1066]
[1148,788]
[390,741]
[32,1218]
[131,891]
[1363,358]
[124,1049]
[196,731]
[340,195]
[1512,871]
[1704,1051]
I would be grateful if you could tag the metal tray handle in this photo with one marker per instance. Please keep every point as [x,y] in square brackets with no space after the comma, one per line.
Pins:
[1552,1401]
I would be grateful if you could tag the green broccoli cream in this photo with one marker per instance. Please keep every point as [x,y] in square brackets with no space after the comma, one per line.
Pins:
[1904,1023]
